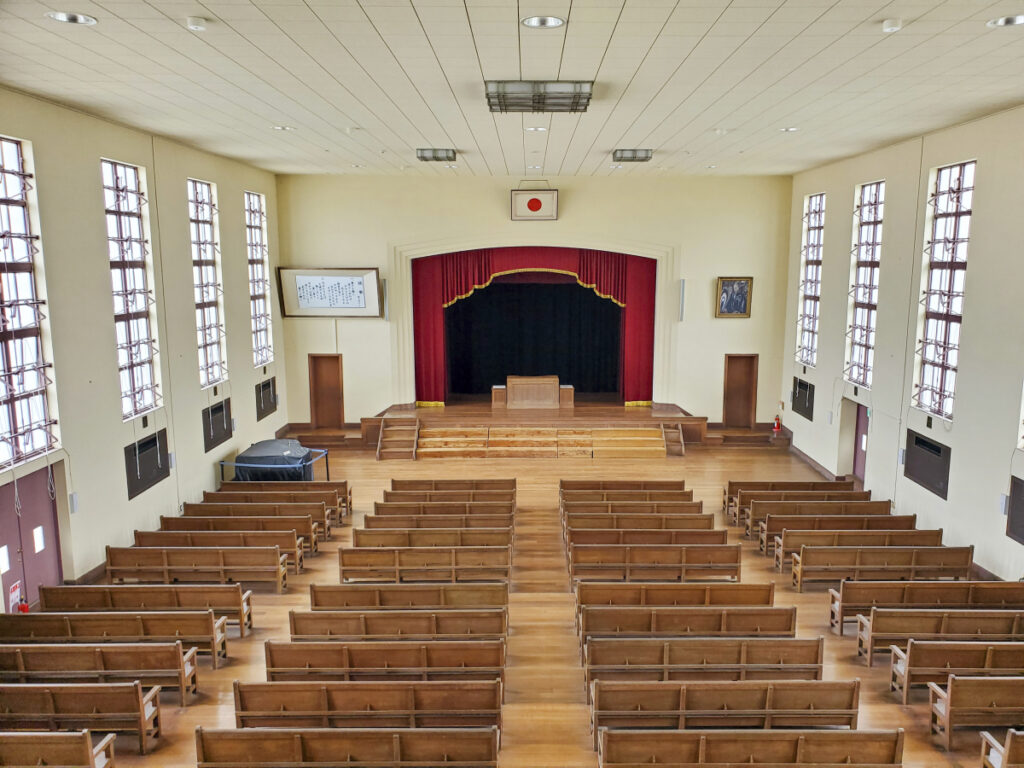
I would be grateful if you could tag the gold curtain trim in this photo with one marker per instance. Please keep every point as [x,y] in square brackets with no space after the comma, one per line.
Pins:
[591,286]
[429,404]
[638,403]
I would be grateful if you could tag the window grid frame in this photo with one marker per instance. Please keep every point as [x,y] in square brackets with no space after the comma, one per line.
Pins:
[137,325]
[209,292]
[811,262]
[950,213]
[258,258]
[869,214]
[20,433]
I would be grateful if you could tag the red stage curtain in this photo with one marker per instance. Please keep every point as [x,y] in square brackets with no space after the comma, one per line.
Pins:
[438,281]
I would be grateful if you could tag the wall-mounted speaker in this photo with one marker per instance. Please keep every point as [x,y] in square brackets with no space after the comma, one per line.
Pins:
[682,298]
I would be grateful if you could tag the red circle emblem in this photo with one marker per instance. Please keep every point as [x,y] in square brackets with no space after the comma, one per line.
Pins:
[534,204]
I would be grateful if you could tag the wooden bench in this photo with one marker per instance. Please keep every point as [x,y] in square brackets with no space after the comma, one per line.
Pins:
[621,485]
[318,513]
[340,487]
[789,542]
[406,508]
[974,701]
[376,522]
[223,599]
[401,564]
[335,597]
[702,658]
[596,593]
[641,536]
[687,621]
[69,750]
[288,542]
[107,707]
[415,496]
[569,497]
[396,704]
[753,515]
[303,525]
[885,627]
[405,484]
[329,499]
[775,524]
[168,665]
[633,507]
[1009,754]
[379,661]
[733,487]
[855,597]
[440,624]
[687,522]
[671,705]
[344,747]
[192,628]
[745,498]
[733,749]
[218,565]
[930,661]
[652,562]
[880,563]
[433,537]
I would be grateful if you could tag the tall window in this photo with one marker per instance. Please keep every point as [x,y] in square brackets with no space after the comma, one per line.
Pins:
[810,279]
[867,254]
[202,214]
[134,324]
[259,277]
[26,428]
[949,230]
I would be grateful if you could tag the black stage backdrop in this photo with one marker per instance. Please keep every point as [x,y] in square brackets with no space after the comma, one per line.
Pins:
[533,330]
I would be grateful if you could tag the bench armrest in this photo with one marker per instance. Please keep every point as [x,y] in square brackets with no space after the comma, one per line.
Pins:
[284,560]
[151,694]
[833,595]
[862,621]
[988,740]
[105,744]
[796,558]
[247,596]
[190,655]
[936,691]
[898,653]
[221,624]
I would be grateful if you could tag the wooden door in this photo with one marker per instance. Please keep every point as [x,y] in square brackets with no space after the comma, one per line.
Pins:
[326,397]
[740,401]
[860,447]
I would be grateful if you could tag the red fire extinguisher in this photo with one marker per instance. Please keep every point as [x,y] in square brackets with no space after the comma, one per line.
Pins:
[777,426]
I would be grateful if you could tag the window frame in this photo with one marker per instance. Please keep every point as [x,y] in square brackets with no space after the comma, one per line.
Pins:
[204,236]
[258,261]
[866,265]
[812,253]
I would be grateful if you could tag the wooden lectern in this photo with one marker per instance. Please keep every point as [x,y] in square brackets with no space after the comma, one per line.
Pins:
[537,392]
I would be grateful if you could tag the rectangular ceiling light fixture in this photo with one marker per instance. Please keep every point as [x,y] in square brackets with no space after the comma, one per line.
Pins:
[538,95]
[436,155]
[632,155]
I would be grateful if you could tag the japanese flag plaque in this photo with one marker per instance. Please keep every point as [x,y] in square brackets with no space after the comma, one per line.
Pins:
[534,204]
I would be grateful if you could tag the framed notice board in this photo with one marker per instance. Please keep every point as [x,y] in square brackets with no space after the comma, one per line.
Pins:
[329,292]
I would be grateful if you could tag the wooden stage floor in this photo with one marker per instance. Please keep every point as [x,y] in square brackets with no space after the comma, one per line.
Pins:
[545,715]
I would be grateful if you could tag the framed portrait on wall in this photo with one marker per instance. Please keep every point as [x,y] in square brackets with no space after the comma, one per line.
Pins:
[732,298]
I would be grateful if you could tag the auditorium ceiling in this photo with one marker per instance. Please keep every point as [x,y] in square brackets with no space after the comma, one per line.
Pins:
[710,85]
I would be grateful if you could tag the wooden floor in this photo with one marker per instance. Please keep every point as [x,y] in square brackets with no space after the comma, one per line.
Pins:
[545,715]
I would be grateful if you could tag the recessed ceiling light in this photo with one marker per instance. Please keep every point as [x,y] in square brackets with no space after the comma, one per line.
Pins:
[789,129]
[711,166]
[196,23]
[613,167]
[537,128]
[542,22]
[721,131]
[283,128]
[533,167]
[451,165]
[892,25]
[356,165]
[66,17]
[1006,21]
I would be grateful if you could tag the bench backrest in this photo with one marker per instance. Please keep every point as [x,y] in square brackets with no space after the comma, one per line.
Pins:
[759,510]
[884,538]
[622,485]
[87,627]
[733,487]
[330,498]
[689,620]
[186,557]
[327,597]
[444,507]
[109,657]
[909,622]
[425,557]
[951,557]
[992,594]
[339,487]
[746,498]
[453,485]
[737,747]
[1006,693]
[602,651]
[641,536]
[774,524]
[596,593]
[465,622]
[316,511]
[70,749]
[633,507]
[936,654]
[432,537]
[463,496]
[654,554]
[286,540]
[488,520]
[648,522]
[72,698]
[140,597]
[569,497]
[301,524]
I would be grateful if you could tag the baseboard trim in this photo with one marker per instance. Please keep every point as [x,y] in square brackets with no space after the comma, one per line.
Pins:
[92,576]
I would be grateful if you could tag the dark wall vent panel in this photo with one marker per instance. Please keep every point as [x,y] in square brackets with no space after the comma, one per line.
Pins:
[146,463]
[927,463]
[803,398]
[266,398]
[217,424]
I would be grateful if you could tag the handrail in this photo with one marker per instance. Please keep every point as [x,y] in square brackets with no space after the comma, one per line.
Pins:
[415,439]
[380,436]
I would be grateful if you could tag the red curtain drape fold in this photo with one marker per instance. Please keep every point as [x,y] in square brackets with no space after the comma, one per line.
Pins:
[438,281]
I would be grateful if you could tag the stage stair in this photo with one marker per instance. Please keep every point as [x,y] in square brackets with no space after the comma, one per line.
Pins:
[398,438]
[538,442]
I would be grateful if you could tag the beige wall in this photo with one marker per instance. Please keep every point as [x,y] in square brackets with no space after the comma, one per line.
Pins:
[985,428]
[67,147]
[698,229]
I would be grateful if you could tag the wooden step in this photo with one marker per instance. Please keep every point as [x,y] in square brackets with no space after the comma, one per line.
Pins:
[523,452]
[635,452]
[453,452]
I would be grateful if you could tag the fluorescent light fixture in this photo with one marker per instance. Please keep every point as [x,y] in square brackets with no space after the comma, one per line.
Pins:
[538,95]
[789,129]
[711,166]
[196,23]
[542,22]
[614,167]
[1006,21]
[451,165]
[433,154]
[533,167]
[66,17]
[283,128]
[535,128]
[892,25]
[632,155]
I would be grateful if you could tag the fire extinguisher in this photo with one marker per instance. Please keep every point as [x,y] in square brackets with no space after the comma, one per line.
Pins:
[777,426]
